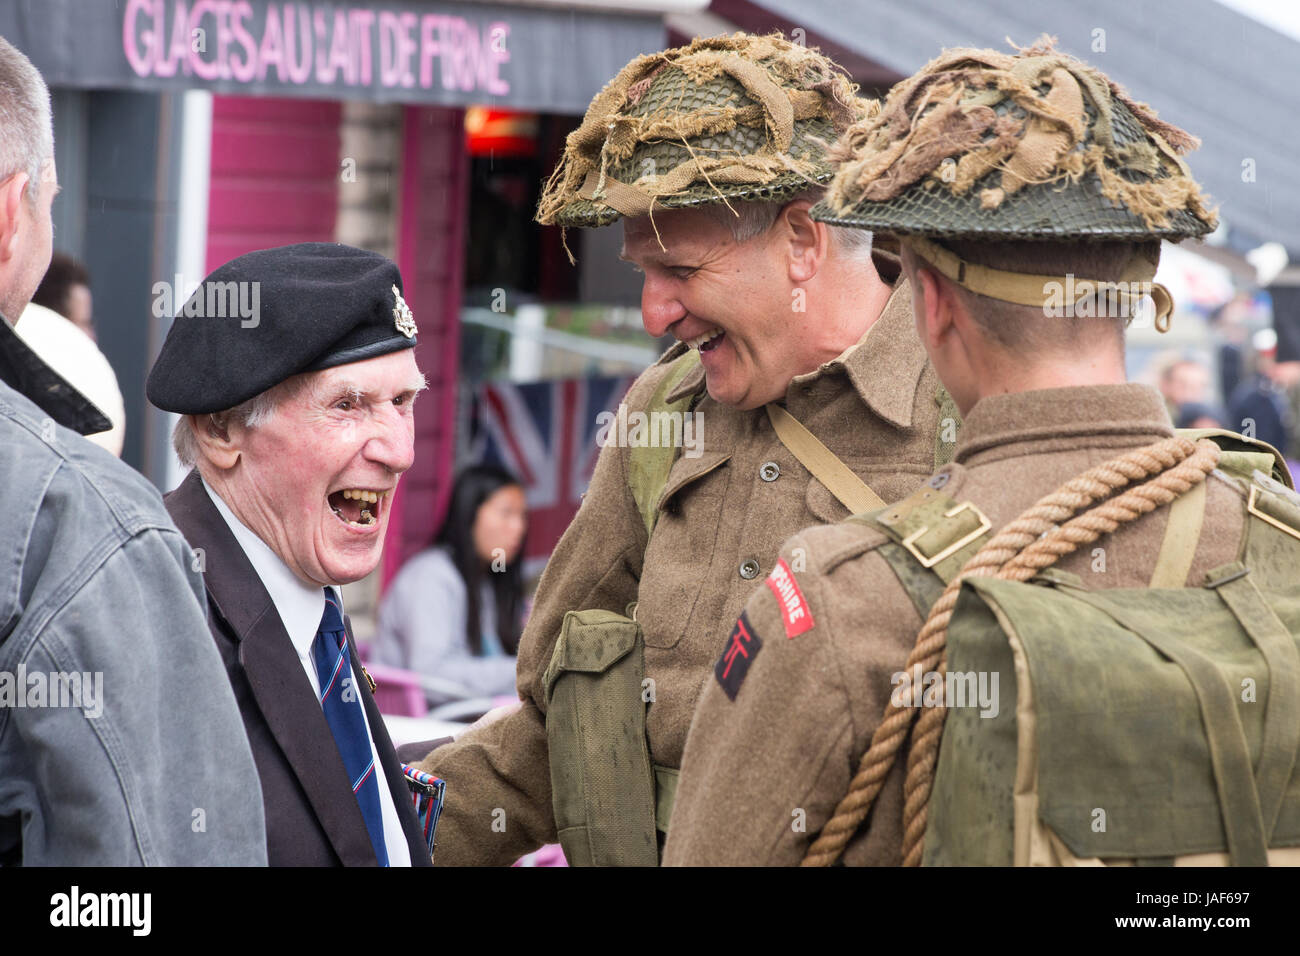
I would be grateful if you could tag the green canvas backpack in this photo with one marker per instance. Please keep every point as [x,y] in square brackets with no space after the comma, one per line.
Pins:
[1132,725]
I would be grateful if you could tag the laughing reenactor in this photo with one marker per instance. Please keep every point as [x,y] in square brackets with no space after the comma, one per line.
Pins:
[1114,709]
[712,156]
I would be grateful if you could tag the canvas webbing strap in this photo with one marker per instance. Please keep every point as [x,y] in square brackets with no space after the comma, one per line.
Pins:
[1239,456]
[1281,734]
[1023,288]
[665,795]
[922,585]
[852,491]
[939,533]
[1234,778]
[648,467]
[932,539]
[1242,456]
[948,411]
[1182,532]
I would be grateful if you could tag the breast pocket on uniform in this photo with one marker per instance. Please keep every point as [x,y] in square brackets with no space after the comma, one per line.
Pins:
[890,486]
[682,546]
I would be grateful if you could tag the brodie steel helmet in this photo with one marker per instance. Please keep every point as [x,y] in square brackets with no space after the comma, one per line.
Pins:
[988,145]
[982,145]
[736,117]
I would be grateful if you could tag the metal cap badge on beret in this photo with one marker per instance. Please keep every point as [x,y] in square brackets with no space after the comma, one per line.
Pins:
[268,315]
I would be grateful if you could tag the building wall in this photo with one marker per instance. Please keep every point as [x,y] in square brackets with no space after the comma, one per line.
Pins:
[275,174]
[431,255]
[128,199]
[371,169]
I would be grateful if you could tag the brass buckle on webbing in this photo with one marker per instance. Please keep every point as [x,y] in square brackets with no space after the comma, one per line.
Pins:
[910,541]
[1280,525]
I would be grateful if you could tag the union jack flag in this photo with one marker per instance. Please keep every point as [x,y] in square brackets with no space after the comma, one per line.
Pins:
[545,434]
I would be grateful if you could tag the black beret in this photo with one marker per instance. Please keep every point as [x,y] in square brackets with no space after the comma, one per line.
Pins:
[268,315]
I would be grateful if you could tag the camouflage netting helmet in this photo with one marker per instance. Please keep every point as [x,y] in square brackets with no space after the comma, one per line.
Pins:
[735,117]
[1035,146]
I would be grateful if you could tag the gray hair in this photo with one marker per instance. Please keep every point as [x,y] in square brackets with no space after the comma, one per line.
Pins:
[752,219]
[26,127]
[254,413]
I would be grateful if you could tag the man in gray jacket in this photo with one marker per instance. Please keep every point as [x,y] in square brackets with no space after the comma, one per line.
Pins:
[120,740]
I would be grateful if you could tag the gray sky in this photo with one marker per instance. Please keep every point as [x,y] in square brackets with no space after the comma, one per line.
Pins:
[1281,15]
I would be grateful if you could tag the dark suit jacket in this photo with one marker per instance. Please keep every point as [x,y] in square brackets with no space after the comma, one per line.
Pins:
[312,818]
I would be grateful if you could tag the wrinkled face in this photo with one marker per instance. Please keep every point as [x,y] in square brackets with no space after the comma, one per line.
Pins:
[731,301]
[500,523]
[317,480]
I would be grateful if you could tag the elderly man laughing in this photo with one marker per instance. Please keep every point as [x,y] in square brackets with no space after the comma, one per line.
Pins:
[297,424]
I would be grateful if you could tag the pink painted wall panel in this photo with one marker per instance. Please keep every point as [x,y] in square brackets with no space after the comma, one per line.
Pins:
[284,109]
[274,176]
[251,149]
[271,207]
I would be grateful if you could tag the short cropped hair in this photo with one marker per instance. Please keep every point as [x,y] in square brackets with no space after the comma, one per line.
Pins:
[254,413]
[752,219]
[1026,328]
[26,127]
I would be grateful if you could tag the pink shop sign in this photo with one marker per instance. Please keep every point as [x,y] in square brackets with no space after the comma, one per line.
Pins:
[313,44]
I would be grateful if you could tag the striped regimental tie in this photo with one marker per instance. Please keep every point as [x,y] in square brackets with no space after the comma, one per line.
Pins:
[340,699]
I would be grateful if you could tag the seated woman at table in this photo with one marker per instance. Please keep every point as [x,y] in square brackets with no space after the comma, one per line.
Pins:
[454,611]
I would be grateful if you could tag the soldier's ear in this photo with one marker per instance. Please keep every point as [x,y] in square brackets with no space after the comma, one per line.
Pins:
[11,199]
[215,441]
[933,306]
[809,240]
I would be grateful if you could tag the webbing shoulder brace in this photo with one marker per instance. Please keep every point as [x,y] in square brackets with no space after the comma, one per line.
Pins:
[932,536]
[1241,455]
[1272,536]
[648,466]
[929,531]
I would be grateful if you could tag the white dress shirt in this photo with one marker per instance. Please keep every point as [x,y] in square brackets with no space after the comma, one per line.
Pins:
[301,607]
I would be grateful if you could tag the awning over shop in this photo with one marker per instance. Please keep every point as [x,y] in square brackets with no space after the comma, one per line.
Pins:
[1226,78]
[456,54]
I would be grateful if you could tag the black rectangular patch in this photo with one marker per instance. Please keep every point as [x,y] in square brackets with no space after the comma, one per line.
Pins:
[742,647]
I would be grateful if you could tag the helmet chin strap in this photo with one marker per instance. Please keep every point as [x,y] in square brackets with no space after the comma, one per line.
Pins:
[1060,294]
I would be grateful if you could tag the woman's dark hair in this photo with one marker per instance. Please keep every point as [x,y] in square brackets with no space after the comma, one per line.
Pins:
[475,485]
[63,273]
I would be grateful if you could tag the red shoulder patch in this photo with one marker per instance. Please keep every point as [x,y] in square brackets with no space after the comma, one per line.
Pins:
[794,609]
[742,647]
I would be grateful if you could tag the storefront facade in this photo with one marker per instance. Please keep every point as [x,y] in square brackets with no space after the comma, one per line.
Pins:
[192,131]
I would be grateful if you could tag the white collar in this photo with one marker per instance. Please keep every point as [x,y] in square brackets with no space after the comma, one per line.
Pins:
[299,604]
